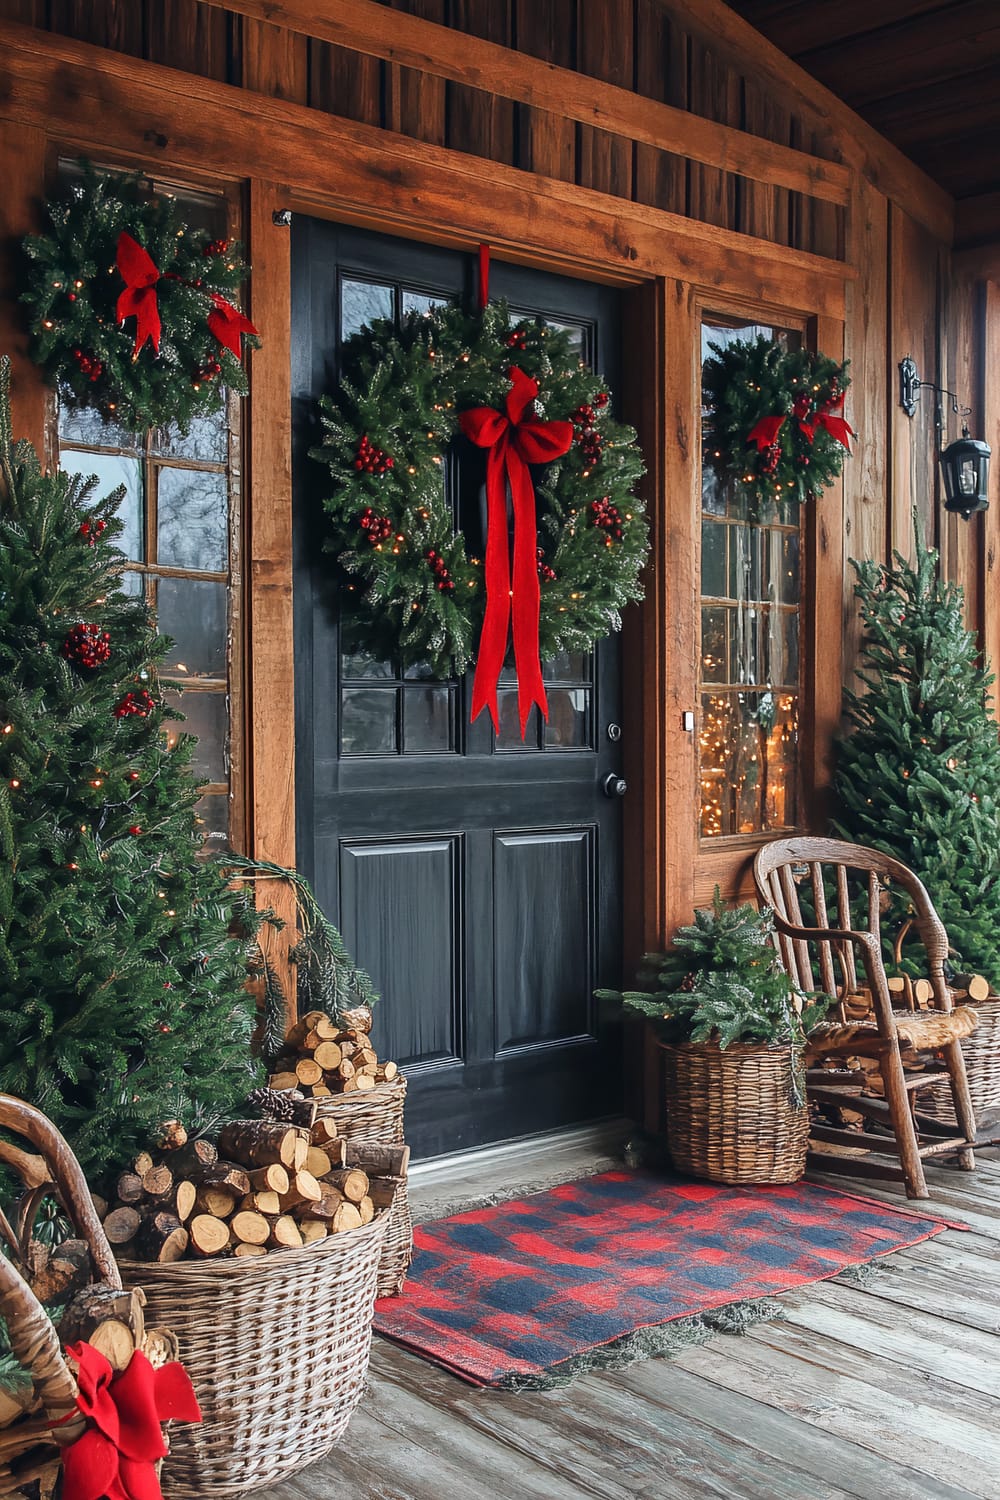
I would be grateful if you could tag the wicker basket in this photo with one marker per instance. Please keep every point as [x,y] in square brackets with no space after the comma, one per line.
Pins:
[375,1118]
[277,1349]
[731,1116]
[981,1051]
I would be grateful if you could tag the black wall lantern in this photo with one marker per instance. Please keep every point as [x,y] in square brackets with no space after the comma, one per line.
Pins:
[965,463]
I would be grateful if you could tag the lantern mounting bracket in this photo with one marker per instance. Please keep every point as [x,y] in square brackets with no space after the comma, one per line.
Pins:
[910,386]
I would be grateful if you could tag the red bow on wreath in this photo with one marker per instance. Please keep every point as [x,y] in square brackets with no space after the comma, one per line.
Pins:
[116,1457]
[765,432]
[514,439]
[140,275]
[226,323]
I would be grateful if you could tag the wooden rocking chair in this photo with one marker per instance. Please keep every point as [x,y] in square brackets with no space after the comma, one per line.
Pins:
[102,1312]
[911,1048]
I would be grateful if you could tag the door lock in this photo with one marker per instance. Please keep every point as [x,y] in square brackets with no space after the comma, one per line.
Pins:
[614,785]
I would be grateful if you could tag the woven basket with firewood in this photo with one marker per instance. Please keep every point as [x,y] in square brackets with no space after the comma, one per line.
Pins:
[39,1413]
[266,1270]
[336,1066]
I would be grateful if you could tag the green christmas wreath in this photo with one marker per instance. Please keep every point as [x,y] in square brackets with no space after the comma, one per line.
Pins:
[131,311]
[408,398]
[773,425]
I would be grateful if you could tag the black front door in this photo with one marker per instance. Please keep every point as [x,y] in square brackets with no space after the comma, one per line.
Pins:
[477,878]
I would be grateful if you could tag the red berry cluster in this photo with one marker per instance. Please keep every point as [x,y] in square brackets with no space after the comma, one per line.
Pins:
[545,573]
[371,459]
[444,580]
[87,646]
[587,435]
[376,528]
[801,406]
[89,365]
[207,371]
[140,705]
[770,458]
[833,398]
[607,517]
[518,339]
[216,247]
[92,530]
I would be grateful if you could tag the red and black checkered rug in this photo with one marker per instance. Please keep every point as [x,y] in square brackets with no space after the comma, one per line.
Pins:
[518,1289]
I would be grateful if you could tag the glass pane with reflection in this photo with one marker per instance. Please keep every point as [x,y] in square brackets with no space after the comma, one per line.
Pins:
[361,302]
[192,520]
[206,716]
[355,658]
[509,736]
[82,424]
[207,440]
[427,720]
[368,721]
[212,817]
[420,302]
[193,612]
[715,645]
[112,470]
[568,726]
[568,666]
[714,572]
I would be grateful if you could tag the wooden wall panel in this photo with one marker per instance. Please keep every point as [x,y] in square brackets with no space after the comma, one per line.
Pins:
[112,23]
[661,72]
[415,102]
[546,141]
[22,151]
[273,61]
[715,93]
[989,302]
[605,51]
[867,405]
[765,210]
[344,83]
[189,36]
[477,121]
[912,329]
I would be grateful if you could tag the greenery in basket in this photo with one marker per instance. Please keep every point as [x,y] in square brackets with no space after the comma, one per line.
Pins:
[722,982]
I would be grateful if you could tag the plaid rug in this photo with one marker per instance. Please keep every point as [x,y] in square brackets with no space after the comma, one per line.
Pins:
[517,1289]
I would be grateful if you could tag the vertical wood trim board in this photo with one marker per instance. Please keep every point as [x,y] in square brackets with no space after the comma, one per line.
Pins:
[990,334]
[23,153]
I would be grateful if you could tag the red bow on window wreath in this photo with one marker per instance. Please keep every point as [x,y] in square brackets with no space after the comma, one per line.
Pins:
[139,272]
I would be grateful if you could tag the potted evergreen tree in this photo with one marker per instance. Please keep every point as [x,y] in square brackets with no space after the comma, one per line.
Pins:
[733,1029]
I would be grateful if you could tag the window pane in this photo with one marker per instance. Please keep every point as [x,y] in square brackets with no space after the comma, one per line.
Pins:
[206,716]
[212,817]
[427,719]
[568,726]
[715,645]
[112,470]
[420,302]
[509,737]
[368,721]
[193,613]
[355,659]
[81,424]
[568,666]
[361,302]
[207,440]
[192,513]
[713,559]
[748,762]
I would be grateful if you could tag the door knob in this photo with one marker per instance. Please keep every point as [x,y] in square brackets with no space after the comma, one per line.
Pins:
[614,785]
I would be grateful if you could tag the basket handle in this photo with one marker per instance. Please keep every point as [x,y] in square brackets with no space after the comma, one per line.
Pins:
[35,1344]
[67,1178]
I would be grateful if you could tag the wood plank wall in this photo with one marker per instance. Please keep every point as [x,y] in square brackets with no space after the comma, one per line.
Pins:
[903,294]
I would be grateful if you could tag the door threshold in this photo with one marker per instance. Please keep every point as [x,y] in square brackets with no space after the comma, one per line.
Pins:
[467,1179]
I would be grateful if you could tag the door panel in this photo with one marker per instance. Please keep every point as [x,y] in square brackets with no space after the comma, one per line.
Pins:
[476,877]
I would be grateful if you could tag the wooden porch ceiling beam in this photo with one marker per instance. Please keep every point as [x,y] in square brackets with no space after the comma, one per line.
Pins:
[396,37]
[93,100]
[883,164]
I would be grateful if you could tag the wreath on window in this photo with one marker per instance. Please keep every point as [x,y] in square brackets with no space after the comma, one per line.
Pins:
[773,425]
[132,311]
[545,552]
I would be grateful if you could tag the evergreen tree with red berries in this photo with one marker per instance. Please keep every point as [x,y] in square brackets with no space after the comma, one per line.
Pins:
[122,992]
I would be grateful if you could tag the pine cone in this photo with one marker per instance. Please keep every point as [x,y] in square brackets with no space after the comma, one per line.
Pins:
[688,983]
[288,1106]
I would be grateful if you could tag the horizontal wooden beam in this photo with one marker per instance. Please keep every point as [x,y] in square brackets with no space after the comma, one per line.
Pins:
[861,146]
[363,26]
[92,100]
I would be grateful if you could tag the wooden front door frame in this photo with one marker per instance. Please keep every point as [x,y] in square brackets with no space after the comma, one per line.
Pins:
[288,157]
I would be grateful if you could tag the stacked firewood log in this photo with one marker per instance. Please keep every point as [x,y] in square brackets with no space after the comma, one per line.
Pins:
[322,1056]
[267,1185]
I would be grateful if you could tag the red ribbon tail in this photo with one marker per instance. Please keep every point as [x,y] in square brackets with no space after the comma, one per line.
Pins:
[493,641]
[483,290]
[840,430]
[526,600]
[765,432]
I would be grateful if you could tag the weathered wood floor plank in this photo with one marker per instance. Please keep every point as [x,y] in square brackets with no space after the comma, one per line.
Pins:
[889,1388]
